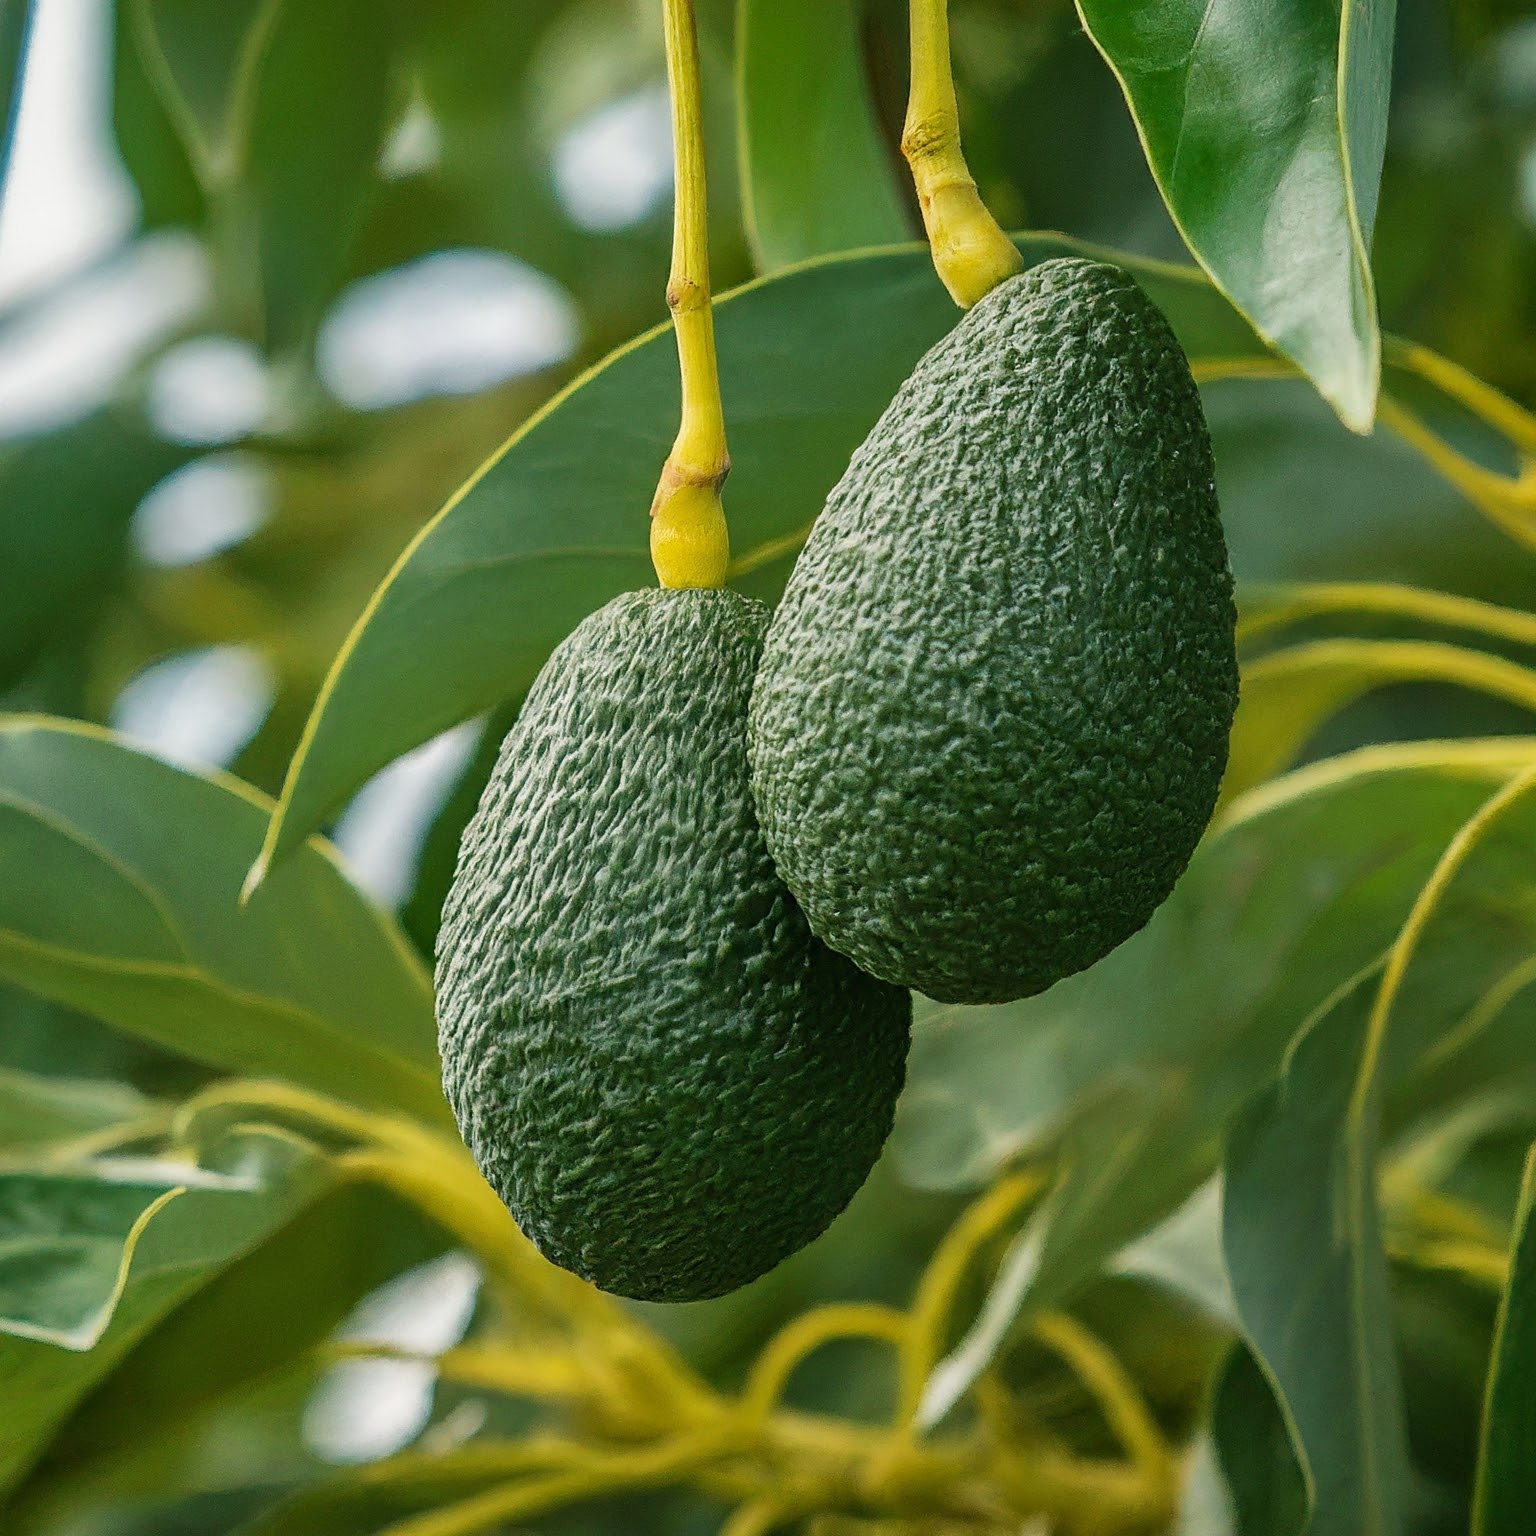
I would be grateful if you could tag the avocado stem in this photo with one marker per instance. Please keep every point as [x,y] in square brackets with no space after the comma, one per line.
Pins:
[690,546]
[971,253]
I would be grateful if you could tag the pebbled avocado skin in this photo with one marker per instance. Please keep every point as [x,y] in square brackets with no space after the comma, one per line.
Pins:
[992,712]
[671,1083]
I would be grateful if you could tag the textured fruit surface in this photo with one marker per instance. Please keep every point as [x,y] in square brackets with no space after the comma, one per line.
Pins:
[671,1083]
[992,712]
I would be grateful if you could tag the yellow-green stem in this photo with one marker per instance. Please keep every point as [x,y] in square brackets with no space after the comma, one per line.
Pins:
[689,543]
[970,251]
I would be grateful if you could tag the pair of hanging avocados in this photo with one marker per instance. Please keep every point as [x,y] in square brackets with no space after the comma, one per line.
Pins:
[969,755]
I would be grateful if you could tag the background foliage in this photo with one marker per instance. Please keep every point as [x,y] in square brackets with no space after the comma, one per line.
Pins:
[1231,1234]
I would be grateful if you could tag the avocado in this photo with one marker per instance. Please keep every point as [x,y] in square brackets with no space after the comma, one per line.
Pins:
[670,1082]
[992,712]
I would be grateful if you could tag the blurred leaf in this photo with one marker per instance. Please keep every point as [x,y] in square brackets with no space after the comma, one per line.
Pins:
[549,529]
[1269,1487]
[1264,609]
[316,128]
[1265,127]
[35,1110]
[1288,694]
[281,108]
[154,150]
[120,899]
[365,1501]
[1129,1072]
[187,1241]
[816,177]
[202,60]
[1303,1246]
[65,502]
[1304,499]
[15,25]
[1506,1468]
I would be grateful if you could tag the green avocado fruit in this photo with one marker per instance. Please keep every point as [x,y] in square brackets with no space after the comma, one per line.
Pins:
[992,712]
[669,1080]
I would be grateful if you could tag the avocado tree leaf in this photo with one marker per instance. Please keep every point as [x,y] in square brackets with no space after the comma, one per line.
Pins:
[1127,1074]
[1301,1224]
[1288,694]
[66,498]
[265,1312]
[816,176]
[16,17]
[93,1259]
[282,109]
[1257,1451]
[1303,1245]
[1264,125]
[1505,1489]
[317,122]
[36,1110]
[202,64]
[121,900]
[549,530]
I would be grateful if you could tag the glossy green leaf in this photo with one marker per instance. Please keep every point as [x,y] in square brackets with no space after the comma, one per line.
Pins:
[1265,126]
[35,1110]
[1303,1246]
[163,1254]
[1506,1467]
[816,175]
[120,899]
[550,529]
[1288,694]
[1127,1074]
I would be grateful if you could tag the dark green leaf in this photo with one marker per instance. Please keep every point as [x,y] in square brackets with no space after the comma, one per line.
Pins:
[317,122]
[1303,1246]
[15,25]
[202,61]
[150,137]
[816,176]
[1269,1488]
[1288,694]
[1265,126]
[65,502]
[1506,1468]
[440,850]
[121,900]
